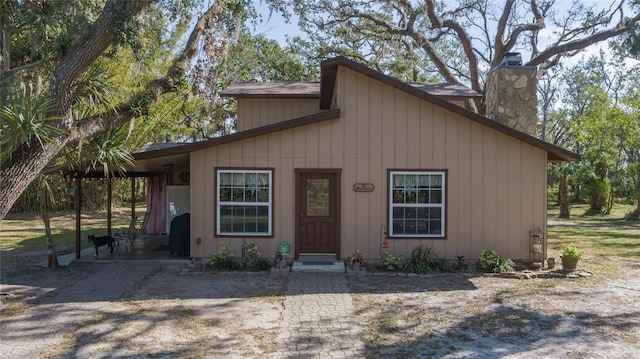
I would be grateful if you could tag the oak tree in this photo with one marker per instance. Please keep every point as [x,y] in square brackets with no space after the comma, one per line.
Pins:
[94,37]
[457,41]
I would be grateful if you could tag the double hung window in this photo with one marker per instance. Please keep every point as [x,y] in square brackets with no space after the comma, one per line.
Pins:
[417,204]
[244,202]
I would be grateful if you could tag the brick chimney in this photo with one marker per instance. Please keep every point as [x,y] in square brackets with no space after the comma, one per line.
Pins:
[511,96]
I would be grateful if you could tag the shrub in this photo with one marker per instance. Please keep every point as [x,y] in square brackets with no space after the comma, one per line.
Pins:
[358,257]
[460,265]
[222,260]
[598,190]
[571,252]
[423,260]
[392,262]
[251,260]
[633,216]
[490,261]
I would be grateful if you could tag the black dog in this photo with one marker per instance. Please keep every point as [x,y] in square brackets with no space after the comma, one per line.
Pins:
[101,241]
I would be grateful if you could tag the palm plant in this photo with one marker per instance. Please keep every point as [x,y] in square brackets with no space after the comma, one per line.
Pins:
[23,121]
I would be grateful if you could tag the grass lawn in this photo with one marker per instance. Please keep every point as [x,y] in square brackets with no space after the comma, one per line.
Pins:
[26,232]
[578,216]
[596,236]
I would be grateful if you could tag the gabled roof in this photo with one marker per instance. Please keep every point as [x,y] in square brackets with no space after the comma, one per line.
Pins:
[155,146]
[329,71]
[255,89]
[446,90]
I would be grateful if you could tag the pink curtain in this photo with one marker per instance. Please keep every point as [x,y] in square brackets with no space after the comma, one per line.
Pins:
[156,204]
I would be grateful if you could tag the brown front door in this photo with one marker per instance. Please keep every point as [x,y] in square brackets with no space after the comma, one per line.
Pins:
[318,211]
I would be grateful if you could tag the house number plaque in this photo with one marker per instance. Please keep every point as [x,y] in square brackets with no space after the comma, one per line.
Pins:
[363,187]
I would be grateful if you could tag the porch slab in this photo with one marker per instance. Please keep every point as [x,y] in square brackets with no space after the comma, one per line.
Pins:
[308,266]
[151,248]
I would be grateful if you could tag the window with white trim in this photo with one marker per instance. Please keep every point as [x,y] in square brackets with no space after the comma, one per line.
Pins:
[244,202]
[417,204]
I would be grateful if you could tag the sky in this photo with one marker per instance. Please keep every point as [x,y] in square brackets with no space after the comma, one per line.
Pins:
[274,26]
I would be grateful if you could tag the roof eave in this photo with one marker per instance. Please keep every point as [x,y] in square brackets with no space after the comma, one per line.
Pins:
[278,126]
[255,95]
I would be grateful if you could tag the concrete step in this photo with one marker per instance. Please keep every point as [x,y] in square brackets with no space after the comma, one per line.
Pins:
[315,257]
[318,266]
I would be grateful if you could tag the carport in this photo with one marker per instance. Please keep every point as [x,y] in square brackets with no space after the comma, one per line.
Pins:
[157,163]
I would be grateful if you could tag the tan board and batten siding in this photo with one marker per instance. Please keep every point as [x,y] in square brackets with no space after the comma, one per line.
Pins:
[257,112]
[496,184]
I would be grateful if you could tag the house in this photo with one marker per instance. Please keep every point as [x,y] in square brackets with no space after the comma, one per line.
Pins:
[361,160]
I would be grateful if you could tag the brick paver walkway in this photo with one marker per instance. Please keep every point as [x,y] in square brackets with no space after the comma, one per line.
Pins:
[55,314]
[319,319]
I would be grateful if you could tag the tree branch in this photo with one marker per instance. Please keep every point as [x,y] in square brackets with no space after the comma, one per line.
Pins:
[502,25]
[22,166]
[84,52]
[464,38]
[544,58]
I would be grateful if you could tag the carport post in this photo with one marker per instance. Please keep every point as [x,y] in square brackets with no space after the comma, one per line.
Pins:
[133,197]
[109,198]
[78,204]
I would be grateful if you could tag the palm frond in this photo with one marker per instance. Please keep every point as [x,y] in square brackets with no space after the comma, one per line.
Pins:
[23,120]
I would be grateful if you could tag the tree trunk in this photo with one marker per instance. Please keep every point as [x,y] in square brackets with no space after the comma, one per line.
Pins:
[21,168]
[609,202]
[17,174]
[52,255]
[638,190]
[563,194]
[577,193]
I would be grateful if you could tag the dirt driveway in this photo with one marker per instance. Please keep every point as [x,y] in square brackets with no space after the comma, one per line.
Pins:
[170,310]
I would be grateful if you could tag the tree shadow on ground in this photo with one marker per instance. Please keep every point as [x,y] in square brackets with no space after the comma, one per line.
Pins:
[500,330]
[141,310]
[405,284]
[137,329]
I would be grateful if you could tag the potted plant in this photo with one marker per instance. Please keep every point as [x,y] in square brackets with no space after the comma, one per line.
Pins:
[279,260]
[357,259]
[551,262]
[570,256]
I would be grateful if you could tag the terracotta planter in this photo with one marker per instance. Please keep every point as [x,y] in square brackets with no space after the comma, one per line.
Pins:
[551,263]
[569,263]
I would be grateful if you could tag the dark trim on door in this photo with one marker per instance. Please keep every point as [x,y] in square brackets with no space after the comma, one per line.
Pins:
[338,205]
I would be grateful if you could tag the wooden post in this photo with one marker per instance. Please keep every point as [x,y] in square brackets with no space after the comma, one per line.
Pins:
[78,204]
[133,197]
[109,200]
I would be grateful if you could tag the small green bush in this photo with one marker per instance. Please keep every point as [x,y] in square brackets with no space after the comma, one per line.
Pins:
[222,260]
[423,261]
[458,266]
[392,262]
[252,260]
[571,252]
[491,261]
[633,216]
